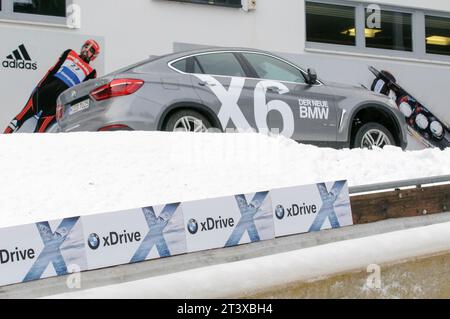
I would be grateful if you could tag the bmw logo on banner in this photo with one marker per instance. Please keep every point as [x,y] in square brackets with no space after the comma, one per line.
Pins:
[279,212]
[192,226]
[93,241]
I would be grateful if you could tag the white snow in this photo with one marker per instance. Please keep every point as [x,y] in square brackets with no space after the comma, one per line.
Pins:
[52,176]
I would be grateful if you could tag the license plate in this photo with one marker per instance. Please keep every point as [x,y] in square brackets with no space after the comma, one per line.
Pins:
[83,105]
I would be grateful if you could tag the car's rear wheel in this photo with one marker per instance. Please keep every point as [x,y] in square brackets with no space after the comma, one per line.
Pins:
[187,121]
[372,135]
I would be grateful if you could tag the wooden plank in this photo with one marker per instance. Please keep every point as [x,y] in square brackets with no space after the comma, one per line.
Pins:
[400,203]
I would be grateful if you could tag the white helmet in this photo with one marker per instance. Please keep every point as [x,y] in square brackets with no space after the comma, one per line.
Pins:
[437,129]
[422,121]
[406,109]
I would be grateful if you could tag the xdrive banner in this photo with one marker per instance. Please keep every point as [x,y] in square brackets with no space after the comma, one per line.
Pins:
[61,247]
[41,250]
[311,208]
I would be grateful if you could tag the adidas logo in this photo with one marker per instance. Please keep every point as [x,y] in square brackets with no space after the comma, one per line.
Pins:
[19,59]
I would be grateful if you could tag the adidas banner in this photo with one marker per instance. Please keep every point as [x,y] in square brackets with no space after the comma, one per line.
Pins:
[26,55]
[19,59]
[60,247]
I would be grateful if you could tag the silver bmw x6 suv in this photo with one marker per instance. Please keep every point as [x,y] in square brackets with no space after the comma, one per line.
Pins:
[240,89]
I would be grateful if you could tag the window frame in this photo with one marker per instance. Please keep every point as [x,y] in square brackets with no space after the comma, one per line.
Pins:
[7,14]
[227,5]
[434,15]
[386,9]
[418,52]
[336,3]
[245,67]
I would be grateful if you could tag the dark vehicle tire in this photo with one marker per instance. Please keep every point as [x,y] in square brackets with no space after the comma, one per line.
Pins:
[373,135]
[187,121]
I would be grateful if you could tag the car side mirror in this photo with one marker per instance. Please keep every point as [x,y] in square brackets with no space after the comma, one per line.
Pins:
[312,76]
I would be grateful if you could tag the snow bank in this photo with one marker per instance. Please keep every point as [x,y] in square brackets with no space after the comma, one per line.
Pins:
[50,176]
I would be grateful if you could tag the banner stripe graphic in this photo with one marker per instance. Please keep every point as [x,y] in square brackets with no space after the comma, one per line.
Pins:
[24,52]
[17,55]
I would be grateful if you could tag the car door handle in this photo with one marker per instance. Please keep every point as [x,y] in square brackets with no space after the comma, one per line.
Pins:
[273,89]
[206,83]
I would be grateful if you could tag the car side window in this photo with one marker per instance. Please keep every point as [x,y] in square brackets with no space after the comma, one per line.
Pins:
[181,65]
[197,67]
[270,68]
[220,64]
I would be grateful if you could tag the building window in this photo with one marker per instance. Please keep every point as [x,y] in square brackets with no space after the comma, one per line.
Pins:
[395,32]
[437,35]
[329,23]
[35,11]
[56,8]
[225,3]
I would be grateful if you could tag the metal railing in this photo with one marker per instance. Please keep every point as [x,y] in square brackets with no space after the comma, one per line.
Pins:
[399,184]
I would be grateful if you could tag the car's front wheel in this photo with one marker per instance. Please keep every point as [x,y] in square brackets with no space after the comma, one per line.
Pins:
[187,121]
[372,135]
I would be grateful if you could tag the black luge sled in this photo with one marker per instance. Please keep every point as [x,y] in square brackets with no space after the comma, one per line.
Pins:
[422,123]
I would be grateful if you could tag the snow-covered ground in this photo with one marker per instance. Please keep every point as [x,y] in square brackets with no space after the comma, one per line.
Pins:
[51,176]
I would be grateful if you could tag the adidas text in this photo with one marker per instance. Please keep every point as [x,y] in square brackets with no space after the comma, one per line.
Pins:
[13,64]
